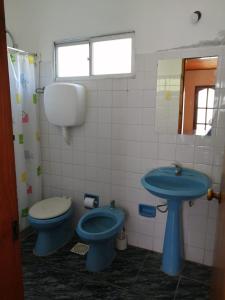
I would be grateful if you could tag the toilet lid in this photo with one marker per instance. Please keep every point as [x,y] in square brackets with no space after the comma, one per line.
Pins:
[50,208]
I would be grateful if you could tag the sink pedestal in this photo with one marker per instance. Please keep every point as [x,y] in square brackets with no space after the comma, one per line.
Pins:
[172,261]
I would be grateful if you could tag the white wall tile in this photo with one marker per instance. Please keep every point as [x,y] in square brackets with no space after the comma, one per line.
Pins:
[120,99]
[120,84]
[79,143]
[44,140]
[134,115]
[203,155]
[149,150]
[56,168]
[55,141]
[149,98]
[158,244]
[92,98]
[78,172]
[167,138]
[208,258]
[104,131]
[104,145]
[119,115]
[55,155]
[92,114]
[148,116]
[194,254]
[148,134]
[78,157]
[67,156]
[145,241]
[167,151]
[184,153]
[90,130]
[105,84]
[90,145]
[185,139]
[135,98]
[195,238]
[105,98]
[133,148]
[104,115]
[91,159]
[45,154]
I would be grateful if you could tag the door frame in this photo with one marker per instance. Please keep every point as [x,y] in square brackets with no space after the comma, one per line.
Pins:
[11,285]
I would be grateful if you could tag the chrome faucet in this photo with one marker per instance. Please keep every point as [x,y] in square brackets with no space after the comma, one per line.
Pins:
[113,204]
[178,169]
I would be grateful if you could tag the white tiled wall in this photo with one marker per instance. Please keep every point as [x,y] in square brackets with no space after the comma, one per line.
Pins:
[169,76]
[117,144]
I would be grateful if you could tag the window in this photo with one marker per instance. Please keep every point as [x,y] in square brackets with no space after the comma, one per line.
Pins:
[204,109]
[101,56]
[72,60]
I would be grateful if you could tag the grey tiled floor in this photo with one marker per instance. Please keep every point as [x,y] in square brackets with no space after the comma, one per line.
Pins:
[134,274]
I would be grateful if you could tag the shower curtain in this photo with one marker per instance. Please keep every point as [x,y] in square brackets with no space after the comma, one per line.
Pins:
[25,114]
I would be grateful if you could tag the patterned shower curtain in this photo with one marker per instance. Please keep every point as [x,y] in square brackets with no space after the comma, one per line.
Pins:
[25,113]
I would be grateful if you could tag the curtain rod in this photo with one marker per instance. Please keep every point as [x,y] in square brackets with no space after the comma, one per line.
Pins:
[21,51]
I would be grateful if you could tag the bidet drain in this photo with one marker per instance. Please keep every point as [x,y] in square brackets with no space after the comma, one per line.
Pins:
[80,248]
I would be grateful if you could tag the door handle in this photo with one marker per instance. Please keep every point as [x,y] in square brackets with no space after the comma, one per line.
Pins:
[213,195]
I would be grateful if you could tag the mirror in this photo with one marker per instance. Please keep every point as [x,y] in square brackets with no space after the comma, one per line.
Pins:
[185,95]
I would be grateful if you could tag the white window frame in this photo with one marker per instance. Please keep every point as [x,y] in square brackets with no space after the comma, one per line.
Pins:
[90,42]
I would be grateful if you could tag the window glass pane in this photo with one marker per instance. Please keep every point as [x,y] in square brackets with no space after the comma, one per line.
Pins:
[201,115]
[203,129]
[209,116]
[211,95]
[73,61]
[202,97]
[200,129]
[112,56]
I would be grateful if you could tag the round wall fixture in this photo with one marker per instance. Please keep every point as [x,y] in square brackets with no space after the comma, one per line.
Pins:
[196,16]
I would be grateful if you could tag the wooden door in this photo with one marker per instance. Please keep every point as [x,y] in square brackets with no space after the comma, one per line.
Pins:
[11,287]
[218,283]
[193,79]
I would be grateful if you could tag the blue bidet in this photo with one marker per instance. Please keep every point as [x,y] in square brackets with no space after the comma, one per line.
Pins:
[99,229]
[53,220]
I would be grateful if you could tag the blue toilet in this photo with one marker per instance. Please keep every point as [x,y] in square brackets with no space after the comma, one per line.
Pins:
[53,220]
[99,229]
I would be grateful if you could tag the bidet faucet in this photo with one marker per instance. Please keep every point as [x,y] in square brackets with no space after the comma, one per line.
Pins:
[113,204]
[178,169]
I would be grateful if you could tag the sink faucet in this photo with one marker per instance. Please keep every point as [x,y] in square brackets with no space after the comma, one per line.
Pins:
[178,169]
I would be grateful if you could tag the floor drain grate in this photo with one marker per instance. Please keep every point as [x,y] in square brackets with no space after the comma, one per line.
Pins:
[80,248]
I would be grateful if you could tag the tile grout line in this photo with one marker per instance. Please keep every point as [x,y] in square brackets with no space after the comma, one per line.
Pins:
[79,295]
[195,280]
[141,267]
[120,288]
[178,283]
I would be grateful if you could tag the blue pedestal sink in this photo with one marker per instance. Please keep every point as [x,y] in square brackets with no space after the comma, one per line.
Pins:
[175,187]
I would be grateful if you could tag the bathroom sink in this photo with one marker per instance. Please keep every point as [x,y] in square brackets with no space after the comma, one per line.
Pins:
[175,184]
[164,183]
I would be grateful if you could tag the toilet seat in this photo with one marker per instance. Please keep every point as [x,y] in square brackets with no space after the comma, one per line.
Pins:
[50,208]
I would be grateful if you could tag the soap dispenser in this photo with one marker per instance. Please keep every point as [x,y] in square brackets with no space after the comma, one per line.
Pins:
[65,105]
